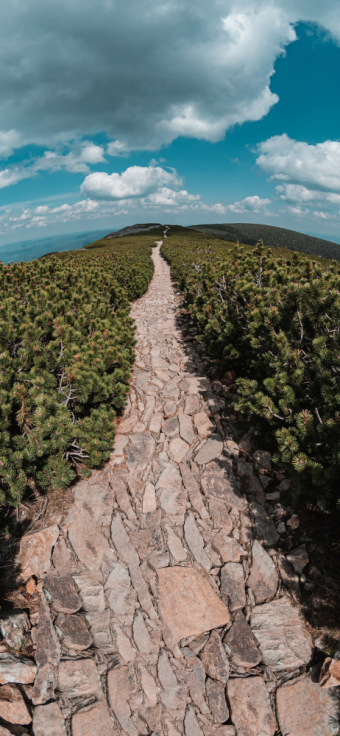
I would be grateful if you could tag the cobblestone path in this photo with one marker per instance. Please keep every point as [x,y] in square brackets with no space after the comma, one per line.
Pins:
[166,607]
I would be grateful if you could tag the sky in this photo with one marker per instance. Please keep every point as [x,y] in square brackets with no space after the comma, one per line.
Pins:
[177,112]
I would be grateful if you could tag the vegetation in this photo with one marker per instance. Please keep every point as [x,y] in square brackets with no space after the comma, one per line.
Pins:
[250,234]
[272,315]
[66,345]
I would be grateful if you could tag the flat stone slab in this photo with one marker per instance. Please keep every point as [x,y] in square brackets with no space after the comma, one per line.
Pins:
[263,578]
[74,632]
[250,708]
[232,585]
[217,700]
[65,598]
[79,678]
[218,482]
[240,639]
[211,449]
[265,528]
[214,658]
[13,624]
[281,634]
[34,556]
[140,451]
[189,606]
[96,720]
[12,706]
[304,708]
[48,721]
[16,668]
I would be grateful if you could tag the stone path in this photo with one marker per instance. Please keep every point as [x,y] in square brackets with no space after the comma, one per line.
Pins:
[164,606]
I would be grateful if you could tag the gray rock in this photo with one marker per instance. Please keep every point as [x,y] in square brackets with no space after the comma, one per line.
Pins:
[191,725]
[217,700]
[219,482]
[140,450]
[74,631]
[281,634]
[47,656]
[298,558]
[13,625]
[16,668]
[250,708]
[214,658]
[61,588]
[263,579]
[195,542]
[211,449]
[264,525]
[91,591]
[48,720]
[232,585]
[99,623]
[79,678]
[240,639]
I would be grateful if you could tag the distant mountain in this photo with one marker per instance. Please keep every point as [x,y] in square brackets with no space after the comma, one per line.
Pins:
[29,250]
[134,229]
[272,236]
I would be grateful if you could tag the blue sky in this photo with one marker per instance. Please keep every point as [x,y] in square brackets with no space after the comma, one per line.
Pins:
[185,112]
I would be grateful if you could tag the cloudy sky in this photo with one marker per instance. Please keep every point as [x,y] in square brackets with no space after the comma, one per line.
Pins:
[188,112]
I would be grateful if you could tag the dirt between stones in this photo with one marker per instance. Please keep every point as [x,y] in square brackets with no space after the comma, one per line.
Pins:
[162,605]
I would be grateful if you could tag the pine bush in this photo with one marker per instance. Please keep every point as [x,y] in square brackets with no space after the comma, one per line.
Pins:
[66,347]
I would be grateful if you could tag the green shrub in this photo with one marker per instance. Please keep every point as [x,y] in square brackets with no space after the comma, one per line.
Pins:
[274,318]
[66,346]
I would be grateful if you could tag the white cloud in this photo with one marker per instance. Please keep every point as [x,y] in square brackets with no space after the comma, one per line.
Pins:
[136,181]
[300,163]
[143,73]
[13,175]
[249,204]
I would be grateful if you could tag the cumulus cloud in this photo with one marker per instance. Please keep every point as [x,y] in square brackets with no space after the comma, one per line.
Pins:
[142,72]
[136,181]
[298,162]
[248,204]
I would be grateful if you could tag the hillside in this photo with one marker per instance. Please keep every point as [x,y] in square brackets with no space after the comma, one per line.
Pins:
[250,234]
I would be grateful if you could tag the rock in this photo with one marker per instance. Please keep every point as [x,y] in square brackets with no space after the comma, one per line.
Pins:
[232,585]
[281,528]
[218,482]
[197,643]
[96,720]
[178,449]
[211,449]
[13,625]
[177,551]
[214,658]
[246,534]
[142,638]
[153,523]
[289,577]
[273,496]
[191,725]
[173,695]
[247,442]
[186,429]
[264,525]
[16,668]
[48,721]
[195,542]
[34,556]
[196,680]
[305,708]
[12,706]
[127,424]
[140,451]
[61,588]
[122,497]
[170,428]
[220,731]
[203,424]
[47,656]
[31,586]
[89,515]
[262,460]
[284,485]
[194,492]
[62,558]
[74,631]
[250,708]
[170,408]
[191,405]
[244,469]
[330,673]
[156,423]
[149,498]
[128,554]
[5,732]
[231,449]
[220,517]
[281,634]
[149,687]
[227,547]
[125,651]
[91,591]
[99,623]
[263,578]
[298,558]
[293,522]
[217,700]
[172,496]
[188,604]
[79,678]
[244,652]
[120,683]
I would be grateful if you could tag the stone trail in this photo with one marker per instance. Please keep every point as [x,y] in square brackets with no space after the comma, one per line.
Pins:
[162,608]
